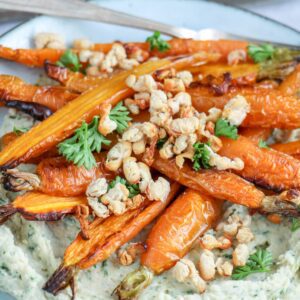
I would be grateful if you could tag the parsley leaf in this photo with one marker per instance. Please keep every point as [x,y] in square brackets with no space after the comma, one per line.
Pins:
[20,130]
[86,140]
[160,143]
[69,60]
[263,144]
[261,53]
[133,188]
[201,156]
[119,114]
[295,224]
[156,42]
[259,262]
[223,128]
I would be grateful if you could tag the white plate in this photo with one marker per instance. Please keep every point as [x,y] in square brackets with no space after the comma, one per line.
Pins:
[189,13]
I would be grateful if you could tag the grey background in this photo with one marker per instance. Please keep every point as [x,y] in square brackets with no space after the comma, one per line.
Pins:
[284,11]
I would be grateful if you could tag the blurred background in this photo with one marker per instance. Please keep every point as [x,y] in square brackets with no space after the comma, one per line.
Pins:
[284,11]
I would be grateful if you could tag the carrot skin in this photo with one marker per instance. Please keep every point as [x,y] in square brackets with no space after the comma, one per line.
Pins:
[218,184]
[256,134]
[267,168]
[290,148]
[177,229]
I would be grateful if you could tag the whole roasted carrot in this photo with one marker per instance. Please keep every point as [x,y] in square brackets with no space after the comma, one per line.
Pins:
[37,57]
[265,106]
[171,238]
[226,185]
[30,57]
[256,134]
[55,176]
[267,168]
[104,239]
[40,207]
[290,148]
[13,88]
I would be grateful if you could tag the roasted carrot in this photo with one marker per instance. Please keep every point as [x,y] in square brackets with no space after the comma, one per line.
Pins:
[226,185]
[40,207]
[30,57]
[55,176]
[290,148]
[265,106]
[246,71]
[105,239]
[171,238]
[13,88]
[256,134]
[291,84]
[37,57]
[267,168]
[63,123]
[73,81]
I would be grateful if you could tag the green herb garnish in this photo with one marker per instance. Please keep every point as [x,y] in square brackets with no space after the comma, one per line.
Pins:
[20,130]
[295,224]
[133,188]
[69,60]
[259,262]
[156,42]
[201,156]
[119,114]
[223,128]
[160,143]
[263,144]
[261,53]
[86,140]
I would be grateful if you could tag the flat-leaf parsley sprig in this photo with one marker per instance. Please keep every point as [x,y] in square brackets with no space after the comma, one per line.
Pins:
[261,53]
[132,188]
[201,156]
[119,114]
[86,140]
[156,42]
[223,128]
[259,262]
[69,60]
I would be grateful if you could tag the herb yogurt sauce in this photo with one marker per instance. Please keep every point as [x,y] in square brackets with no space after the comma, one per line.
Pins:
[31,251]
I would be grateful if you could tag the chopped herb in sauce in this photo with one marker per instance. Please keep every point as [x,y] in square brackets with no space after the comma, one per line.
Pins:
[20,130]
[295,224]
[160,143]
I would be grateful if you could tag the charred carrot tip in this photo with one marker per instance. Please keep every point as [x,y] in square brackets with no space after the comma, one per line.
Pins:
[37,111]
[6,211]
[61,278]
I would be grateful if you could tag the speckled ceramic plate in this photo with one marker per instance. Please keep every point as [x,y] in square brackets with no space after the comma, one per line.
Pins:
[189,13]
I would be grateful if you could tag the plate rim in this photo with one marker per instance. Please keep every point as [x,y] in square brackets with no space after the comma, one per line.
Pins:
[235,7]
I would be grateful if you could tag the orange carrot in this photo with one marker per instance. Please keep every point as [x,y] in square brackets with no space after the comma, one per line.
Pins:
[105,238]
[290,148]
[256,134]
[265,167]
[291,84]
[171,238]
[40,207]
[265,105]
[13,88]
